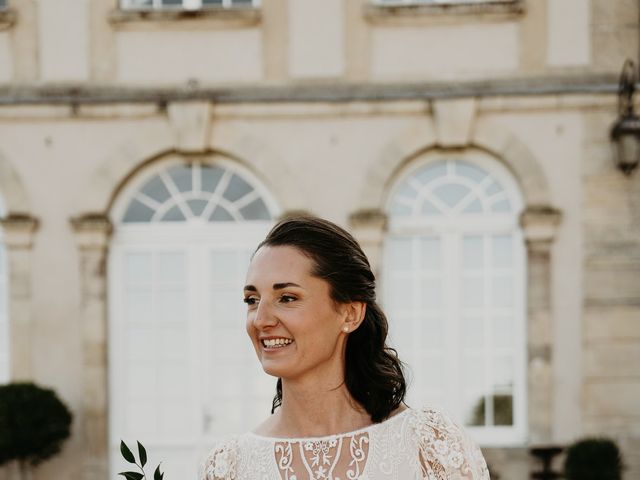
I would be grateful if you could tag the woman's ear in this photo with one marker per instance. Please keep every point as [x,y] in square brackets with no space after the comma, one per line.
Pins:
[355,315]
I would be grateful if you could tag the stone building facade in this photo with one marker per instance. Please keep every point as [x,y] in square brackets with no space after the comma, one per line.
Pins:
[326,105]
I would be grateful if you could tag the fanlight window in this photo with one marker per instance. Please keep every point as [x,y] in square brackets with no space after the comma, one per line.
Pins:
[454,289]
[451,188]
[196,191]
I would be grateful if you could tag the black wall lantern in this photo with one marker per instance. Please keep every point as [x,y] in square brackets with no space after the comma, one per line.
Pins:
[625,133]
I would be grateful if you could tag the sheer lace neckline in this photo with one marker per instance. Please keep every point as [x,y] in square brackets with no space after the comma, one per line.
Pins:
[351,433]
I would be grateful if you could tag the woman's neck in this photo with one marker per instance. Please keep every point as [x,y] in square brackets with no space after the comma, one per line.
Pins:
[316,409]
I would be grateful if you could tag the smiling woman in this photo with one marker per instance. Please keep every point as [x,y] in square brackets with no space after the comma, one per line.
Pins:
[339,410]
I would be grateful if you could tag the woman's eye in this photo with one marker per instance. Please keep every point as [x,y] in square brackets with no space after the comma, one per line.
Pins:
[287,298]
[250,300]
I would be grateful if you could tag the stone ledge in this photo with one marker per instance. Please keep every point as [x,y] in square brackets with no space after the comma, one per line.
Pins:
[225,17]
[8,17]
[418,13]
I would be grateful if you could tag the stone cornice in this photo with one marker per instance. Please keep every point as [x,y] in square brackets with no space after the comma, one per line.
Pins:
[336,92]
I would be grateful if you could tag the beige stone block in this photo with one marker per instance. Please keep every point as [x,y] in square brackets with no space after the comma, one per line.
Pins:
[117,111]
[469,50]
[316,38]
[35,112]
[612,323]
[168,57]
[612,282]
[612,397]
[611,360]
[6,58]
[63,28]
[612,45]
[191,124]
[453,121]
[568,42]
[620,12]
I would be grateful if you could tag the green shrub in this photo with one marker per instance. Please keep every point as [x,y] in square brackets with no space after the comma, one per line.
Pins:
[593,459]
[33,423]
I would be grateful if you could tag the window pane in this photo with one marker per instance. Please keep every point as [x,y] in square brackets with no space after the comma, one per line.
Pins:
[399,254]
[210,176]
[429,209]
[469,171]
[170,268]
[220,214]
[451,194]
[138,268]
[472,292]
[138,212]
[256,210]
[431,172]
[503,334]
[472,332]
[237,189]
[197,206]
[503,410]
[502,246]
[181,176]
[137,3]
[472,252]
[502,291]
[171,3]
[430,253]
[156,189]
[174,214]
[502,206]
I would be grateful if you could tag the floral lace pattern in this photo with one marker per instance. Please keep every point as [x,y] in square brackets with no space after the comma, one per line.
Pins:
[415,444]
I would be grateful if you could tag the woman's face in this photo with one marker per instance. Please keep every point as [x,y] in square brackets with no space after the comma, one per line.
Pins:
[294,325]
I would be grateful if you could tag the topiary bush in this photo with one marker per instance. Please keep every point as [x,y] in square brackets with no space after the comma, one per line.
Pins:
[593,459]
[33,424]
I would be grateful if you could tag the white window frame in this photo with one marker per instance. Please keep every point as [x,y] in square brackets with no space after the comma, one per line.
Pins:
[401,3]
[199,235]
[451,228]
[186,5]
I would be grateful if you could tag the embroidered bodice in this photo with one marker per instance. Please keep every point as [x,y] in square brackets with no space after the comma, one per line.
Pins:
[414,444]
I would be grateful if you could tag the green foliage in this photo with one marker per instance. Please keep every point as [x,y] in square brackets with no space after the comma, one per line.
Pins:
[593,459]
[142,455]
[33,423]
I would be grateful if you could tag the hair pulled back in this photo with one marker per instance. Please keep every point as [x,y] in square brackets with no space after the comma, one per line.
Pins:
[373,371]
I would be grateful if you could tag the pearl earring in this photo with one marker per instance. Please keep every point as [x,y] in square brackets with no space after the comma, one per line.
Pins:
[345,328]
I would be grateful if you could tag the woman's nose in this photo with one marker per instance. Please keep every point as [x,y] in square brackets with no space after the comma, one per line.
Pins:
[264,317]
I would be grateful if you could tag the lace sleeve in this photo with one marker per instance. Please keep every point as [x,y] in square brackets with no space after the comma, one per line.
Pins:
[445,451]
[221,462]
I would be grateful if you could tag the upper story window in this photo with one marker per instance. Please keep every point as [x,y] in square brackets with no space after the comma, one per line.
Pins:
[3,4]
[185,4]
[436,2]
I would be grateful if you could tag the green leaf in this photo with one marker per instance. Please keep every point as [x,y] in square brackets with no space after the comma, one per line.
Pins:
[126,453]
[143,455]
[157,475]
[132,475]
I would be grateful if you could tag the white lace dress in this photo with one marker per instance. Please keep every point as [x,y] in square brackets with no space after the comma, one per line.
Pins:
[414,444]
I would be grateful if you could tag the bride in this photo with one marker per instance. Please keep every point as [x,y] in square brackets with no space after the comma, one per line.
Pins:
[338,412]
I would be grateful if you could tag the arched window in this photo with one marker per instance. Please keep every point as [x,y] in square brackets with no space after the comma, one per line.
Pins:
[182,370]
[5,367]
[454,290]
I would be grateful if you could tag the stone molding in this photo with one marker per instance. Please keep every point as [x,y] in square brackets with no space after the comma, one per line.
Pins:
[454,121]
[18,237]
[487,135]
[369,228]
[155,141]
[8,18]
[19,230]
[191,124]
[93,231]
[539,225]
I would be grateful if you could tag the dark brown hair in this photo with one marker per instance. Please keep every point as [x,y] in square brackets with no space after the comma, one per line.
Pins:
[373,371]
